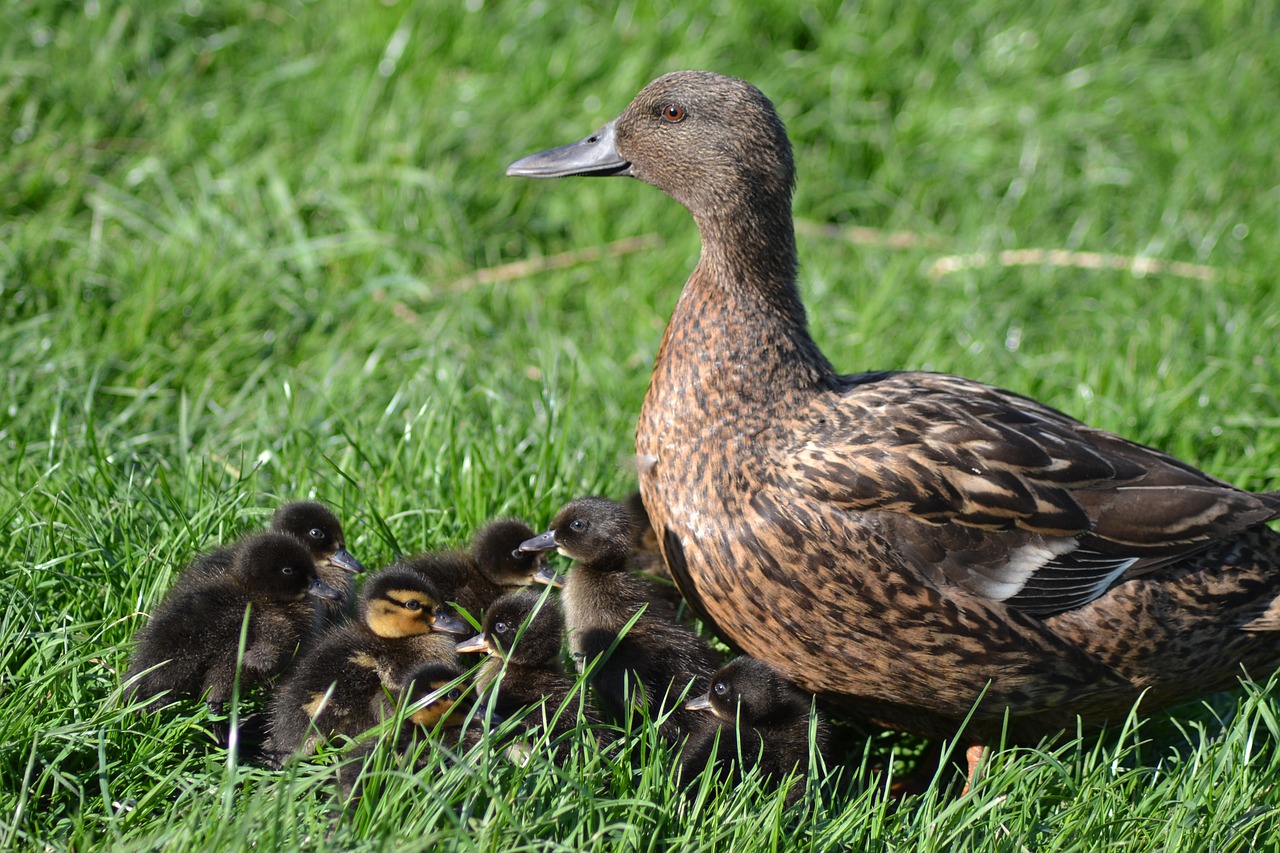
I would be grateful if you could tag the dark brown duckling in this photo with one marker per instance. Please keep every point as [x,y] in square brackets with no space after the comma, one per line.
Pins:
[315,525]
[339,687]
[902,543]
[761,721]
[191,643]
[490,568]
[524,637]
[438,719]
[601,597]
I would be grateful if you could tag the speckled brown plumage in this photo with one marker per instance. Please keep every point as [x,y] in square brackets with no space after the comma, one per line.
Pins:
[897,542]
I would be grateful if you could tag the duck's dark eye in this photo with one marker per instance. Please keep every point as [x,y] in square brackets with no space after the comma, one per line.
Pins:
[286,570]
[578,525]
[501,628]
[316,533]
[673,112]
[413,604]
[720,688]
[455,694]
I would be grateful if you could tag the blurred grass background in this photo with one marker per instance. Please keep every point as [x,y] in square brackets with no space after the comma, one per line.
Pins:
[252,252]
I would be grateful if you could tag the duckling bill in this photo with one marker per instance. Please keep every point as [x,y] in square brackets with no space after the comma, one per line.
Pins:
[903,543]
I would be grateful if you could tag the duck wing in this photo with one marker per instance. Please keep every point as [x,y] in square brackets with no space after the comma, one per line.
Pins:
[1004,496]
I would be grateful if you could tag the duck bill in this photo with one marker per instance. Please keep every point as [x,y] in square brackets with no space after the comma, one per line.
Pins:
[447,623]
[595,156]
[548,576]
[702,703]
[320,589]
[342,559]
[475,644]
[542,542]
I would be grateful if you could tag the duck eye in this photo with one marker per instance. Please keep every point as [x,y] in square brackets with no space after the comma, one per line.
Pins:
[413,604]
[720,688]
[455,694]
[578,525]
[286,570]
[673,113]
[316,533]
[500,628]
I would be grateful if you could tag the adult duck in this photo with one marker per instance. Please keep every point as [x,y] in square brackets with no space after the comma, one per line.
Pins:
[904,543]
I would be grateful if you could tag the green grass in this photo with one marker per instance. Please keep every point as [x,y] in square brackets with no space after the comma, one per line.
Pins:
[235,248]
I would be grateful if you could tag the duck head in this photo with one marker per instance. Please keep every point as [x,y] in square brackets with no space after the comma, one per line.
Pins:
[522,628]
[279,568]
[496,552]
[319,529]
[713,143]
[747,691]
[591,530]
[434,688]
[402,603]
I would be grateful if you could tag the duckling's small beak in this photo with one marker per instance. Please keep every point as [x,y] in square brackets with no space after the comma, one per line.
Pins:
[447,623]
[541,542]
[549,576]
[702,703]
[475,644]
[320,589]
[342,559]
[594,156]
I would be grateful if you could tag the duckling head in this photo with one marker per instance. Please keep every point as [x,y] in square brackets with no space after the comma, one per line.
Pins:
[497,554]
[319,529]
[434,686]
[748,691]
[521,628]
[402,603]
[591,530]
[279,568]
[713,143]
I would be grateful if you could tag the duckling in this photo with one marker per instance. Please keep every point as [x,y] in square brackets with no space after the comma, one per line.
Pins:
[530,667]
[493,566]
[439,718]
[191,644]
[600,597]
[315,525]
[905,543]
[339,686]
[761,721]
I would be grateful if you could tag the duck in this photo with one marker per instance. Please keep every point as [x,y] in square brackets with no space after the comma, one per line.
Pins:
[433,695]
[523,639]
[657,659]
[474,578]
[909,546]
[762,721]
[316,526]
[190,645]
[339,686]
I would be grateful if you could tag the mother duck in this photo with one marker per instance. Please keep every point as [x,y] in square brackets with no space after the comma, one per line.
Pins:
[905,544]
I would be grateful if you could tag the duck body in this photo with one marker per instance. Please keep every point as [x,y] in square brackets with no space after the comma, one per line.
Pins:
[657,654]
[191,643]
[761,722]
[904,543]
[340,687]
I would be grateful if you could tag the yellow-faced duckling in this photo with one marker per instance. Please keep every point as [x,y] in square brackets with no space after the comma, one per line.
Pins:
[761,721]
[191,643]
[490,568]
[524,637]
[902,543]
[435,714]
[315,525]
[601,597]
[339,686]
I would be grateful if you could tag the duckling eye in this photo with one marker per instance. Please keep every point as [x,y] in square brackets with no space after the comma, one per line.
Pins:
[720,688]
[501,628]
[413,604]
[673,113]
[578,525]
[286,570]
[455,694]
[316,533]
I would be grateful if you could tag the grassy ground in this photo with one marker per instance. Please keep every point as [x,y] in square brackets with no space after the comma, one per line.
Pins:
[252,252]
